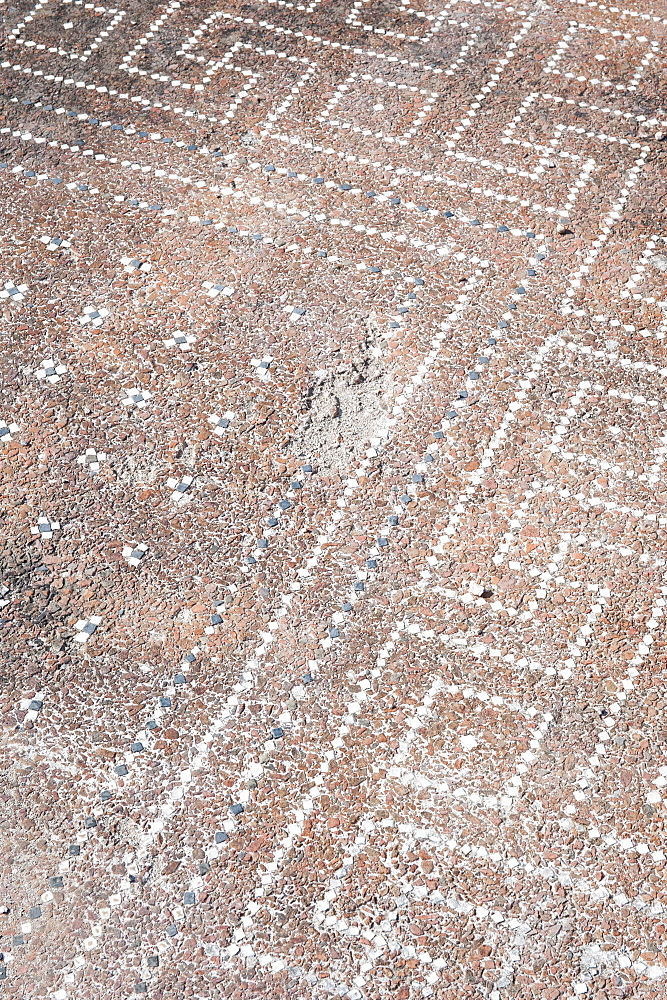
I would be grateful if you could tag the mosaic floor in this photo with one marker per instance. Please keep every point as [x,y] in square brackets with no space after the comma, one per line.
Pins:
[333,432]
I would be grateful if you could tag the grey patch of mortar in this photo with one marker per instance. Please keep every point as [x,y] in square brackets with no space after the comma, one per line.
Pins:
[659,262]
[343,408]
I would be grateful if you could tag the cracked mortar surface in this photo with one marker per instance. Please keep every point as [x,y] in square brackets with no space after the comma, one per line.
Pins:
[344,408]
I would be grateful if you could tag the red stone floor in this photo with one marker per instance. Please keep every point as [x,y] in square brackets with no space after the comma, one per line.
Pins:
[333,428]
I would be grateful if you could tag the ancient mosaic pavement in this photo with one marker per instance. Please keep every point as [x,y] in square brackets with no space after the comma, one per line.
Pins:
[333,431]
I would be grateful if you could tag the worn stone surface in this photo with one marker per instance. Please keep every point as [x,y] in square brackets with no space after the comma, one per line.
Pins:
[332,454]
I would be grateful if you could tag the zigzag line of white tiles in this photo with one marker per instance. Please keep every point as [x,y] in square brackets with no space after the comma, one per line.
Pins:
[437,20]
[564,44]
[307,804]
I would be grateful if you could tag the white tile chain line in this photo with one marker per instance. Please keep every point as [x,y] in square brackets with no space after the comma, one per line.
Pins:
[495,441]
[401,140]
[613,112]
[599,895]
[246,681]
[100,89]
[461,305]
[351,484]
[586,504]
[616,324]
[307,804]
[459,643]
[512,864]
[597,501]
[267,533]
[567,423]
[593,961]
[564,44]
[548,871]
[592,4]
[551,150]
[510,413]
[205,26]
[605,961]
[472,597]
[313,39]
[389,236]
[586,631]
[459,404]
[264,959]
[142,736]
[430,358]
[463,300]
[316,41]
[321,907]
[436,22]
[614,216]
[501,197]
[381,198]
[620,699]
[404,171]
[325,643]
[280,244]
[14,36]
[213,66]
[421,376]
[624,11]
[436,178]
[154,27]
[216,65]
[637,278]
[491,84]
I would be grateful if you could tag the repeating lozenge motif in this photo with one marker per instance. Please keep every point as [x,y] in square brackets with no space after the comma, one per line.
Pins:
[400,710]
